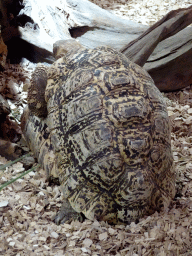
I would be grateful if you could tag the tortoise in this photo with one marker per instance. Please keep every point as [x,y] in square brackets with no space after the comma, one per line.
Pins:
[97,122]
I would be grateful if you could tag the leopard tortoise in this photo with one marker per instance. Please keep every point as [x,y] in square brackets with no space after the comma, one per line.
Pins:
[97,121]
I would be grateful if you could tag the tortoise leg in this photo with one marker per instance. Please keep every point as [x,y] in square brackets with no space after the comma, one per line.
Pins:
[67,214]
[37,135]
[36,92]
[38,138]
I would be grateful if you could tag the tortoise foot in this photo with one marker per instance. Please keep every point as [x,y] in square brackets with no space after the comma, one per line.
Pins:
[67,214]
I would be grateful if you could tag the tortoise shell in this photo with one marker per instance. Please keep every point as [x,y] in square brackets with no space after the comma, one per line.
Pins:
[103,129]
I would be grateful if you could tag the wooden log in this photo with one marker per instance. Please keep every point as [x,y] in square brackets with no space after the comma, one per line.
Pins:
[141,48]
[170,64]
[93,27]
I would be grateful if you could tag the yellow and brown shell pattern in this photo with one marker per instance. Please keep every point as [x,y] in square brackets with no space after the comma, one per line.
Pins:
[106,136]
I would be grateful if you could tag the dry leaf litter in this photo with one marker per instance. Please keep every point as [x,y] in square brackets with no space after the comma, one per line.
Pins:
[28,206]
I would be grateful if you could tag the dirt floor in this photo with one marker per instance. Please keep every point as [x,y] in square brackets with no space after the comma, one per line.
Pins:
[28,206]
